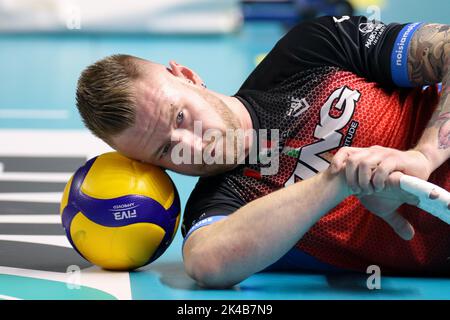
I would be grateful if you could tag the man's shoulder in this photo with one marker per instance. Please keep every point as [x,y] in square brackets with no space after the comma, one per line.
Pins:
[212,186]
[211,196]
[292,53]
[215,191]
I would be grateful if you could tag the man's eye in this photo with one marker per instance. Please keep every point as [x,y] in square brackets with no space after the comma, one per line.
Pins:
[180,117]
[165,150]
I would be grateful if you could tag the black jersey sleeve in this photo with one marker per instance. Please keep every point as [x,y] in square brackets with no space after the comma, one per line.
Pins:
[210,201]
[369,48]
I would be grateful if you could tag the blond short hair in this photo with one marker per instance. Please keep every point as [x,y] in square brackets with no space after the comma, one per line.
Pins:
[105,98]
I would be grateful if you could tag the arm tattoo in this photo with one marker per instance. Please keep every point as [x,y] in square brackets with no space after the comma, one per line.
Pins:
[430,46]
[429,63]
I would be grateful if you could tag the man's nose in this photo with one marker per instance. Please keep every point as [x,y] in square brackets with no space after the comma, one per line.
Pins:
[188,139]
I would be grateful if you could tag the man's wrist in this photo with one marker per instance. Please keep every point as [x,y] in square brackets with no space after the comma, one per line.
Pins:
[434,156]
[339,181]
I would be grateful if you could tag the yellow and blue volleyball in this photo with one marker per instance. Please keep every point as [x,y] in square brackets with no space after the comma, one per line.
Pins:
[118,213]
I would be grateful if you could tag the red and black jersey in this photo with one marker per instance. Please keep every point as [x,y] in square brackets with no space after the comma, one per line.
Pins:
[328,83]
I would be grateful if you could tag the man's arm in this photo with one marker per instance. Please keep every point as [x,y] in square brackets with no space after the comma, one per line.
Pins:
[367,169]
[429,63]
[228,251]
[258,234]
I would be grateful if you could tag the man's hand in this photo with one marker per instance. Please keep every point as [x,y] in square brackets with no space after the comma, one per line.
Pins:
[378,169]
[367,169]
[385,203]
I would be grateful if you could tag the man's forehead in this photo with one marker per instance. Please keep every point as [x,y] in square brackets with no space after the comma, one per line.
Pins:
[146,115]
[153,90]
[152,107]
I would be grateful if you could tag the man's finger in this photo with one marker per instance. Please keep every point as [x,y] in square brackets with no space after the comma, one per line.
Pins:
[365,169]
[392,185]
[393,181]
[339,159]
[400,225]
[432,198]
[352,170]
[382,172]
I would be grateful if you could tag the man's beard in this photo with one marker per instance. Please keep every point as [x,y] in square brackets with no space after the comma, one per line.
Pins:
[232,125]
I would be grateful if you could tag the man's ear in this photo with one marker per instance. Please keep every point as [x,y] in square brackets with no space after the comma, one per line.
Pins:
[184,73]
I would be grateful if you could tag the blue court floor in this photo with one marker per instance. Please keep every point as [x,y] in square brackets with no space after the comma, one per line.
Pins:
[42,141]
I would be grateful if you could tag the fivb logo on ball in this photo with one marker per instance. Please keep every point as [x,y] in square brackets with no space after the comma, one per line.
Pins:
[124,211]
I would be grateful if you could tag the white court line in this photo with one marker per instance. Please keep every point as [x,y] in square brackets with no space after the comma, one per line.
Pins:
[8,297]
[44,197]
[115,283]
[34,176]
[34,114]
[59,143]
[59,241]
[30,218]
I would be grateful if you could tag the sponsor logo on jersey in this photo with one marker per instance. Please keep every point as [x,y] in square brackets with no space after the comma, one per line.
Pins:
[375,29]
[366,27]
[203,222]
[298,106]
[327,133]
[401,43]
[341,19]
